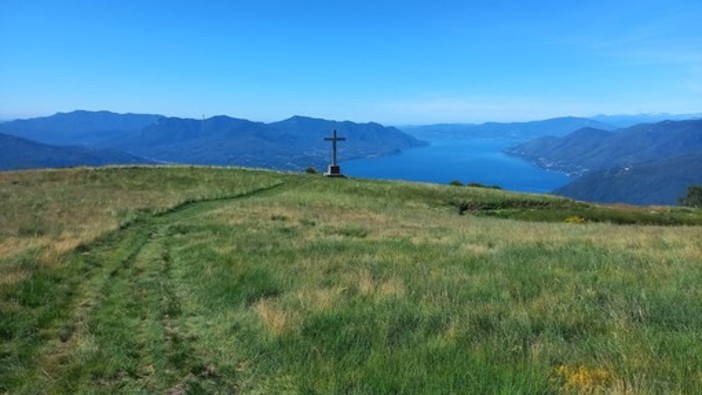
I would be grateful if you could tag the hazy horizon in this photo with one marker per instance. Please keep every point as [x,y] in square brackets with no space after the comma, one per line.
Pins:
[661,116]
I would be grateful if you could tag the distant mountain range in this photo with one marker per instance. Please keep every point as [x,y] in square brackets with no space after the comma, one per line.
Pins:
[650,163]
[292,144]
[524,131]
[624,121]
[642,164]
[593,149]
[97,128]
[17,153]
[520,131]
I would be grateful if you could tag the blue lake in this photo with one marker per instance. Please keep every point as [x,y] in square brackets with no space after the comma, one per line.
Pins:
[474,160]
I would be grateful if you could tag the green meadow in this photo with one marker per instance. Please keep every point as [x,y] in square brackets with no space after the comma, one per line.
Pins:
[183,280]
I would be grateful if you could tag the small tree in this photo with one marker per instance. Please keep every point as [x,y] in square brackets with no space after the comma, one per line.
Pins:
[693,197]
[456,183]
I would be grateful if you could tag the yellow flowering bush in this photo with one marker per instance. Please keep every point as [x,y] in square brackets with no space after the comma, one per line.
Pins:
[582,379]
[576,219]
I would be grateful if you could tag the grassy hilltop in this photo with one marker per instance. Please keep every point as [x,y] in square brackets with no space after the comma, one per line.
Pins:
[185,280]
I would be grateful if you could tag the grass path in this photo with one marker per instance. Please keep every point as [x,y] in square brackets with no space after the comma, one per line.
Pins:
[116,296]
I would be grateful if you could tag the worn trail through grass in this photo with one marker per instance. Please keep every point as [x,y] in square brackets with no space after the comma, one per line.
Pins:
[124,298]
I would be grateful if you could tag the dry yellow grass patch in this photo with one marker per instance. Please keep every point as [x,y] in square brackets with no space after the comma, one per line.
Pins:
[365,283]
[13,276]
[276,320]
[393,287]
[52,246]
[368,286]
[320,299]
[11,246]
[316,221]
[625,387]
[68,244]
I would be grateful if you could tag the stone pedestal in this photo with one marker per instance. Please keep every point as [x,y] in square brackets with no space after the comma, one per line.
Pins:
[334,171]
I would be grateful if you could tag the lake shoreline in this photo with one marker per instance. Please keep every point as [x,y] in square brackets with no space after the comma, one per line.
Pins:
[468,160]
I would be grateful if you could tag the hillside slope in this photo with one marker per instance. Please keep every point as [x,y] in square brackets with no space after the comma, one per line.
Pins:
[210,280]
[554,153]
[658,182]
[17,153]
[642,164]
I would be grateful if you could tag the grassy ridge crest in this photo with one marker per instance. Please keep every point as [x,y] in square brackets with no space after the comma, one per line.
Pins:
[193,279]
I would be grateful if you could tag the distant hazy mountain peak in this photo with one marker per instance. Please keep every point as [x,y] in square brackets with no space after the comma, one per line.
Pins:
[626,120]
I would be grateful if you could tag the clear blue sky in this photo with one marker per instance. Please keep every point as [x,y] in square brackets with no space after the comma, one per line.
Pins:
[395,62]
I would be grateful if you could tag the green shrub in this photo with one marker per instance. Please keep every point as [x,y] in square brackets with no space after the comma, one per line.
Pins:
[693,197]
